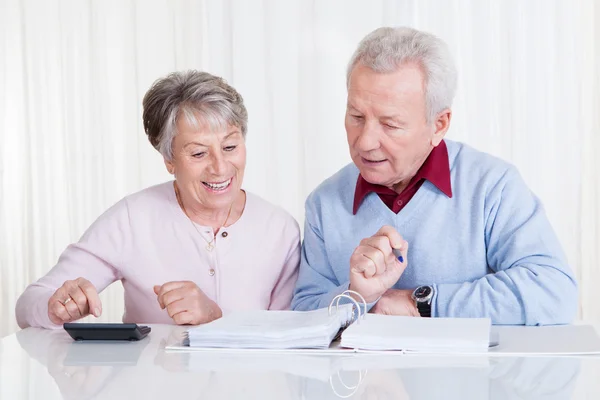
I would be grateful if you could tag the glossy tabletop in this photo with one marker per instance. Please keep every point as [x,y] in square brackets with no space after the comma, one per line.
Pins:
[43,364]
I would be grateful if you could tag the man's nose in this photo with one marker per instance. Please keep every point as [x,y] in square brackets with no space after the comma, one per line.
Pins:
[369,138]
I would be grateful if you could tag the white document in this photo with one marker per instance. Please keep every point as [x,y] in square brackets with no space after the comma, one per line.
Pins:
[409,334]
[263,329]
[314,331]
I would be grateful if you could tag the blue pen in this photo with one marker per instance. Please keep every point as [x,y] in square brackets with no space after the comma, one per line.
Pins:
[398,255]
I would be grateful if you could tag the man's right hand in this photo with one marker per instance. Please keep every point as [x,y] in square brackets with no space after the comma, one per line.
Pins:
[74,300]
[373,266]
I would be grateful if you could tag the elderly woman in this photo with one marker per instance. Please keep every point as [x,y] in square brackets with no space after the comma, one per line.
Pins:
[186,250]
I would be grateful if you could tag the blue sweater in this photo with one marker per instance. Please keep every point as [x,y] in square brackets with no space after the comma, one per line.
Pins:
[489,251]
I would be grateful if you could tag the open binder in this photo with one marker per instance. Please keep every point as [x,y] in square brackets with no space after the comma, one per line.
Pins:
[345,326]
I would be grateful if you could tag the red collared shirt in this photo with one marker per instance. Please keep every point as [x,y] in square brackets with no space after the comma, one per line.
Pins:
[436,169]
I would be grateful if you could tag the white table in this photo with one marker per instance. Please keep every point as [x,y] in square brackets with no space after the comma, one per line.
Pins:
[42,364]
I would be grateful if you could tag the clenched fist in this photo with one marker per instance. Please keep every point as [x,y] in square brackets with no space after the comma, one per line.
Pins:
[186,303]
[374,268]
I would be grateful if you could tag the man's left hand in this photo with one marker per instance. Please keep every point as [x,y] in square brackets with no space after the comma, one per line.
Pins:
[396,302]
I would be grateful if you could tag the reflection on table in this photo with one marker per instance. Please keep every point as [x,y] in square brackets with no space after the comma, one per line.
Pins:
[145,369]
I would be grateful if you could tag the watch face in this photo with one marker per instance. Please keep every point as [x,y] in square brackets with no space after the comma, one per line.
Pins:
[422,292]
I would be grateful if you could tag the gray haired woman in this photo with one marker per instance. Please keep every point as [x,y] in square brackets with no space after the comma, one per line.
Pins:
[189,249]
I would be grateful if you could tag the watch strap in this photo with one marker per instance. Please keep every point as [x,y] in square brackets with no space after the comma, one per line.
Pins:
[424,308]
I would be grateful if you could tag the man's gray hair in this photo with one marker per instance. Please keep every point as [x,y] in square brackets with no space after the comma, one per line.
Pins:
[386,49]
[199,97]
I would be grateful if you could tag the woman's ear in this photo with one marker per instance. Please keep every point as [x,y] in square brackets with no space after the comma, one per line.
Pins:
[170,166]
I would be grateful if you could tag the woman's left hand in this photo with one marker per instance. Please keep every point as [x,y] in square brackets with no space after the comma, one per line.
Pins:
[186,303]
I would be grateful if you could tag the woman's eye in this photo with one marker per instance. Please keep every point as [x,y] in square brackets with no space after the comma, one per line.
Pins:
[357,116]
[229,148]
[198,155]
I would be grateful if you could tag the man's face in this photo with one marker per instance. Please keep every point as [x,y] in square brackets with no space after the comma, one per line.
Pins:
[386,124]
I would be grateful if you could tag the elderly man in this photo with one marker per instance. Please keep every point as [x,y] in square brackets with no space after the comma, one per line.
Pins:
[419,225]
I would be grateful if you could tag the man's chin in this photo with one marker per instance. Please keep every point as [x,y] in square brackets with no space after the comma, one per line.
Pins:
[374,178]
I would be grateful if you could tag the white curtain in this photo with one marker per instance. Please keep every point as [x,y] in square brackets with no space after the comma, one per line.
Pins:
[73,73]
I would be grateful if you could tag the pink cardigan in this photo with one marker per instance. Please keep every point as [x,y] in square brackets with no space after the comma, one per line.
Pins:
[146,239]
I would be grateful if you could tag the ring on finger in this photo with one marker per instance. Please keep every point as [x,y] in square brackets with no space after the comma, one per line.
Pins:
[64,303]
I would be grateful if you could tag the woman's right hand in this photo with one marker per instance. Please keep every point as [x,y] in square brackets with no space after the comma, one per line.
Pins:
[74,300]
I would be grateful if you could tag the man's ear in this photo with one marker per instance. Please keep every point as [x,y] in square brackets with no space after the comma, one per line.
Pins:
[442,123]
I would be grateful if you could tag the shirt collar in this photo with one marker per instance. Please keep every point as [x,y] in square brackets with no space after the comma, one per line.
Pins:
[435,169]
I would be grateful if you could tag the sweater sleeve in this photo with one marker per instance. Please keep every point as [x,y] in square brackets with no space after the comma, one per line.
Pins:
[96,257]
[531,282]
[317,284]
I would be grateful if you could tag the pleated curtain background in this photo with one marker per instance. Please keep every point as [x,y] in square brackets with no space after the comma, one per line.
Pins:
[73,73]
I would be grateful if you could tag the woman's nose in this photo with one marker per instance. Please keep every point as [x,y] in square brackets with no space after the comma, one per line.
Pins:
[218,166]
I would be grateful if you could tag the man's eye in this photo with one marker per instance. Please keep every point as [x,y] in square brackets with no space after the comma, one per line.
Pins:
[198,155]
[357,116]
[229,148]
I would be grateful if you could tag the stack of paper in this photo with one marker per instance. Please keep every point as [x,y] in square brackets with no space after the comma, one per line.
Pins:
[272,329]
[385,332]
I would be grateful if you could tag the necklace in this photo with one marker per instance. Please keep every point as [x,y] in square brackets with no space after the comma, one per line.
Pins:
[209,245]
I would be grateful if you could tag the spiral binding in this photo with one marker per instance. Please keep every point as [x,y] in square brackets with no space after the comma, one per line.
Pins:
[350,389]
[356,307]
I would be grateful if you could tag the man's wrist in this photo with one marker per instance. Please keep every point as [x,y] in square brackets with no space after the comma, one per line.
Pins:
[407,299]
[413,303]
[368,299]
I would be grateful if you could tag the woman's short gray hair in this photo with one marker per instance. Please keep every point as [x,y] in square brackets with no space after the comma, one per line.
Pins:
[385,49]
[196,96]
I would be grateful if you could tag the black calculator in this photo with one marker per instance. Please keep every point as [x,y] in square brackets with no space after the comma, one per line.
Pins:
[106,331]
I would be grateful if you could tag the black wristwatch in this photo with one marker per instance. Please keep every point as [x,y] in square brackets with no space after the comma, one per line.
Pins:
[423,296]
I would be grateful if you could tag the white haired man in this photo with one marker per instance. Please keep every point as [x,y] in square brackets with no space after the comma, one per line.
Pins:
[480,243]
